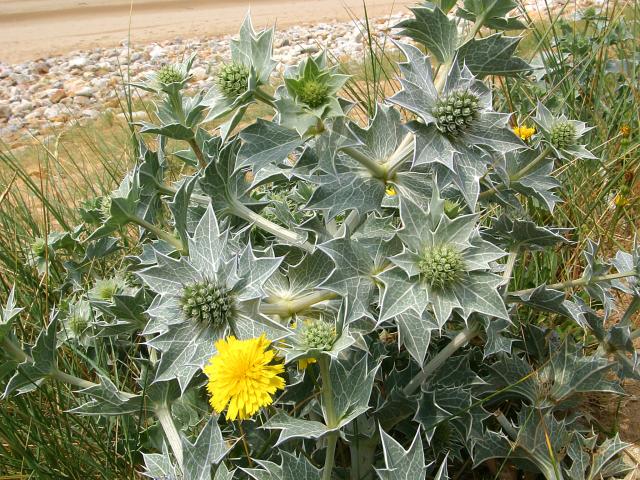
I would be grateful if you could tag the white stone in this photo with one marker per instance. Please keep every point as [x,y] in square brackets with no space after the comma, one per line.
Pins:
[156,52]
[78,62]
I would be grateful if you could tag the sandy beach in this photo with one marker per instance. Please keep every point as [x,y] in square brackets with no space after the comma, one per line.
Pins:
[32,29]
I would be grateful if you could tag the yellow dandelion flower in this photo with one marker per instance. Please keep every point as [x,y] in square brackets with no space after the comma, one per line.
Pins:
[391,190]
[524,132]
[242,376]
[621,200]
[625,131]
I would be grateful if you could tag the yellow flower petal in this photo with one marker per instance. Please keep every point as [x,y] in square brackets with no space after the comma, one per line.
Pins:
[524,132]
[242,377]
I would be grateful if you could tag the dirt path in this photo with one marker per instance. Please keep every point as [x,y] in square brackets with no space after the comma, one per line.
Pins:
[31,29]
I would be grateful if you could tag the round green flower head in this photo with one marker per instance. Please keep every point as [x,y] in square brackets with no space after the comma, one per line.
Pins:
[77,322]
[456,111]
[39,247]
[169,74]
[207,302]
[563,135]
[105,207]
[313,93]
[318,335]
[441,265]
[233,79]
[105,289]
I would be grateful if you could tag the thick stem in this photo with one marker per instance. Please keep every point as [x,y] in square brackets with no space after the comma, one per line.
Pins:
[508,269]
[285,234]
[171,432]
[19,356]
[436,362]
[331,419]
[193,143]
[161,234]
[14,351]
[519,174]
[578,282]
[398,157]
[376,170]
[264,97]
[287,308]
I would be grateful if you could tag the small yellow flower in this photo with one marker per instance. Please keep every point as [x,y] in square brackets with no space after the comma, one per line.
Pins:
[621,200]
[524,132]
[242,376]
[303,363]
[390,190]
[625,131]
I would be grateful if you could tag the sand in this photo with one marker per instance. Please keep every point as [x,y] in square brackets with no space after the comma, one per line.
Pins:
[32,29]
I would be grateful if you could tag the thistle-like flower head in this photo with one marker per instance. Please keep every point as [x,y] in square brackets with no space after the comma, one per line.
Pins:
[456,111]
[233,79]
[205,301]
[318,335]
[314,337]
[561,134]
[77,322]
[445,266]
[441,265]
[209,294]
[457,117]
[313,93]
[169,74]
[310,93]
[169,78]
[105,289]
[39,247]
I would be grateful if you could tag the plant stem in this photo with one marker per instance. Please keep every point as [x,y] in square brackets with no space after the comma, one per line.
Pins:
[240,210]
[398,157]
[376,170]
[20,356]
[287,308]
[508,269]
[171,432]
[193,143]
[459,341]
[158,232]
[264,97]
[578,282]
[331,419]
[289,236]
[532,165]
[245,444]
[519,174]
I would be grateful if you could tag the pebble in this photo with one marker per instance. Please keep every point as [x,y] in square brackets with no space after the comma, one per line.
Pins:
[36,95]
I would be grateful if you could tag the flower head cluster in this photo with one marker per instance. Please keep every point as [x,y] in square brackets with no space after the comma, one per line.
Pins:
[318,335]
[233,79]
[441,265]
[561,134]
[169,78]
[39,247]
[169,74]
[105,289]
[313,93]
[205,295]
[445,265]
[205,301]
[243,376]
[456,111]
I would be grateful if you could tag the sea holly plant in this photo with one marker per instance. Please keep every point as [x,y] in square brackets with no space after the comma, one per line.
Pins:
[316,295]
